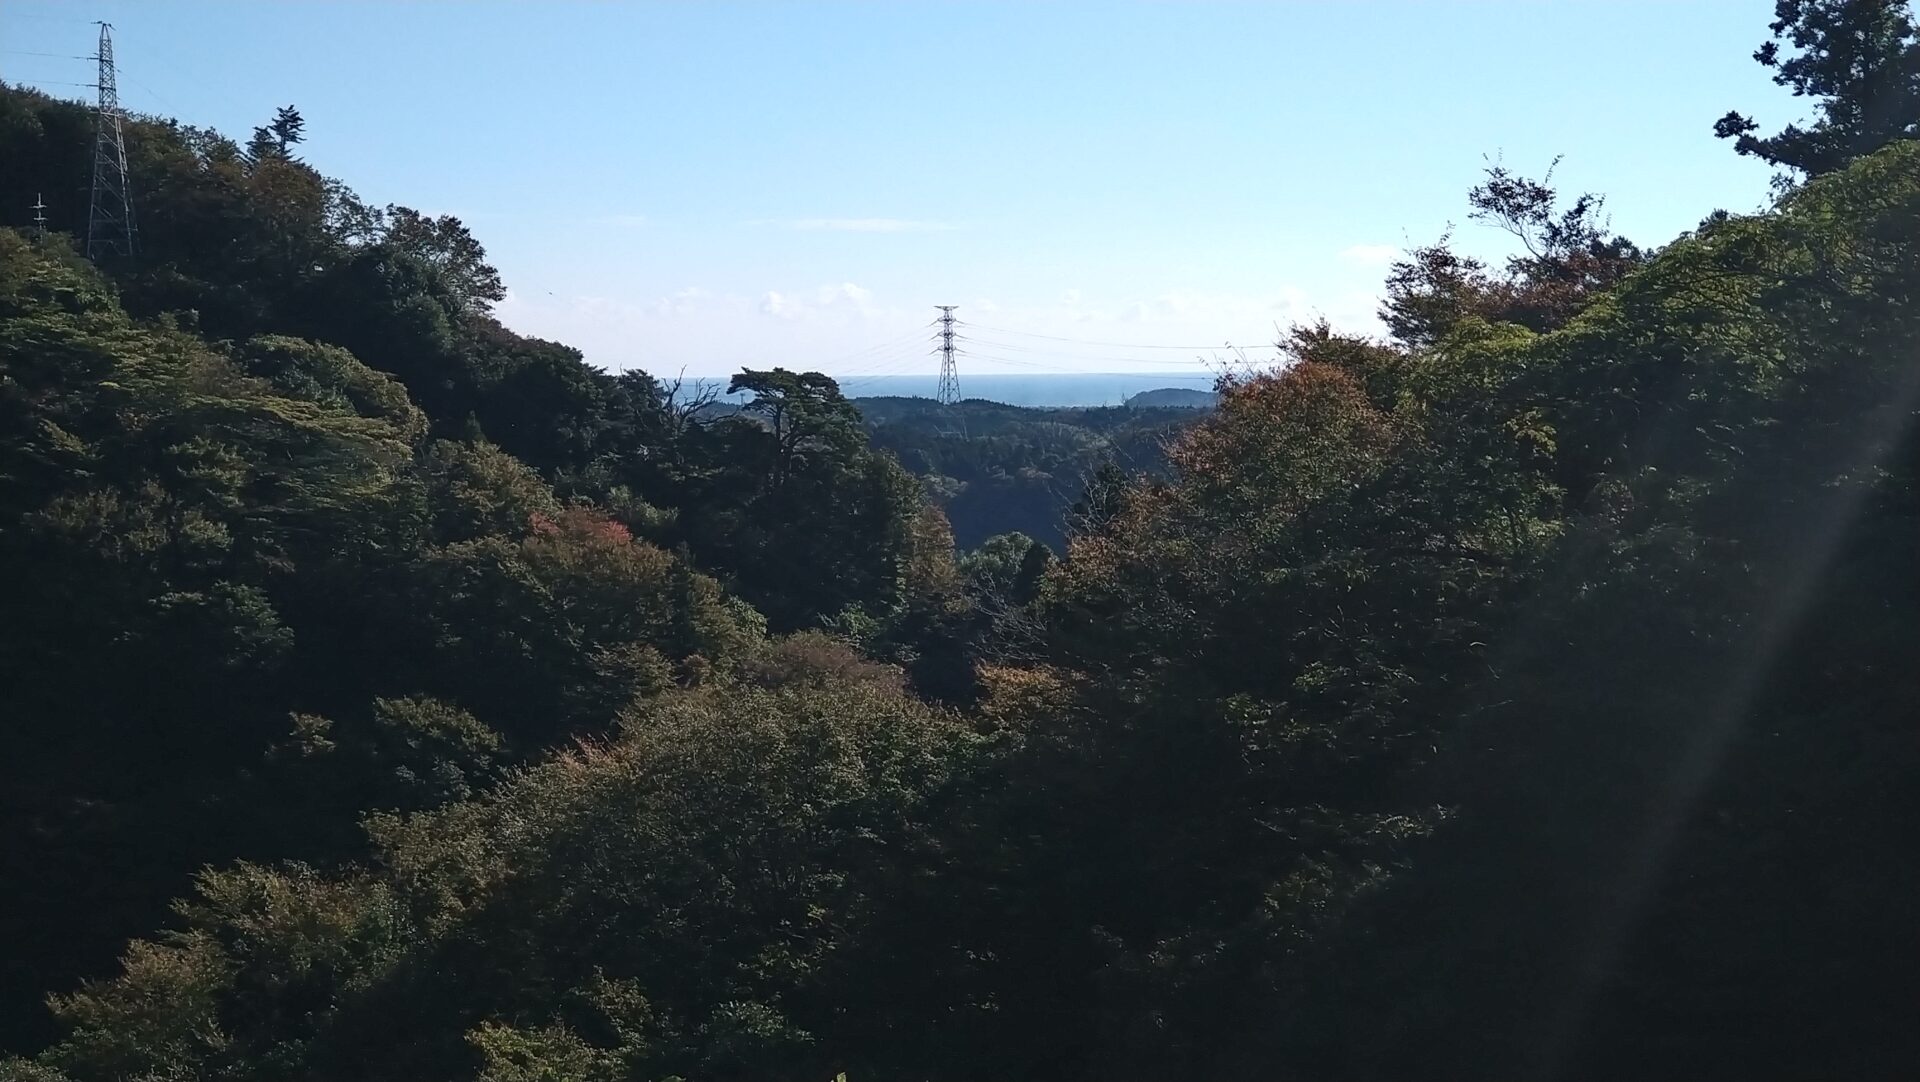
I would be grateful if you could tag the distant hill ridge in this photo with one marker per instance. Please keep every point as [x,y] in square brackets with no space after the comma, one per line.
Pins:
[996,468]
[1176,397]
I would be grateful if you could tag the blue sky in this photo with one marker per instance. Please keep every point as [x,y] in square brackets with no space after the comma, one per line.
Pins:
[704,186]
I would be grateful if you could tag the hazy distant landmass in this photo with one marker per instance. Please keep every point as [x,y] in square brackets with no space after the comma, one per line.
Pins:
[1061,389]
[1175,397]
[1047,390]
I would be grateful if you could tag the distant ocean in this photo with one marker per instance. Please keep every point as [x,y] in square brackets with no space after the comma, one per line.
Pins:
[1074,389]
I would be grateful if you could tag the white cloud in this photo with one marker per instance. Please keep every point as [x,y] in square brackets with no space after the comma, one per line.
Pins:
[1370,255]
[1251,319]
[862,225]
[1217,308]
[781,306]
[806,305]
[1291,300]
[683,302]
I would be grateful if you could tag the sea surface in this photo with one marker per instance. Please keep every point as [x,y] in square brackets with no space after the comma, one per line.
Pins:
[1070,389]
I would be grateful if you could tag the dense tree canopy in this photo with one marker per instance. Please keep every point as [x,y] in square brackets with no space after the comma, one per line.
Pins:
[201,542]
[702,896]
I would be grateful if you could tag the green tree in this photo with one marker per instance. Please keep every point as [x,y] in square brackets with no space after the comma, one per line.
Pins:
[700,897]
[807,416]
[445,243]
[1859,60]
[997,568]
[788,505]
[277,139]
[202,541]
[1567,255]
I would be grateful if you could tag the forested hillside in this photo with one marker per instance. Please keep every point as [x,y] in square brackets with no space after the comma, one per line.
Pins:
[294,529]
[997,469]
[1525,693]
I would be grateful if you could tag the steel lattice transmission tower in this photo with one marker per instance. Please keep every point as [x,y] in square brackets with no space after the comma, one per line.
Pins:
[949,376]
[110,219]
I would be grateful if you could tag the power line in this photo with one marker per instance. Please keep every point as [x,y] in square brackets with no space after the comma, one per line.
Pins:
[870,380]
[895,371]
[1065,354]
[879,367]
[1090,342]
[155,94]
[42,18]
[899,342]
[1037,369]
[895,367]
[974,354]
[1065,369]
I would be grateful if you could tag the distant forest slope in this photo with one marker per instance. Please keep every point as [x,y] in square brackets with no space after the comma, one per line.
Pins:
[999,469]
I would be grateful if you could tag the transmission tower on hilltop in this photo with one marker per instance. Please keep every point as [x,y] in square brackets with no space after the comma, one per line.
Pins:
[39,218]
[949,376]
[110,218]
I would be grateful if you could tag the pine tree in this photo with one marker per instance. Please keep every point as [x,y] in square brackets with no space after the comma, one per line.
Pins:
[1860,59]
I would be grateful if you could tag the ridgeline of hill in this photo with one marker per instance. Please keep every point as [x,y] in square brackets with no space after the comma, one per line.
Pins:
[1526,694]
[1177,397]
[995,469]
